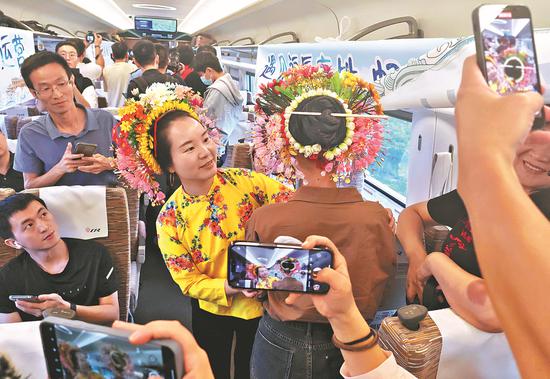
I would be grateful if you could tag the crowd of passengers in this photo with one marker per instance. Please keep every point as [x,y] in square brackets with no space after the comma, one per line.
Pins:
[288,336]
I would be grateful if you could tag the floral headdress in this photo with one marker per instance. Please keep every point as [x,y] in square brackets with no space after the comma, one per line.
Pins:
[277,101]
[136,148]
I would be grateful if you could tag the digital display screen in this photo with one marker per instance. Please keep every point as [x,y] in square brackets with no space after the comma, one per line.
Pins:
[258,267]
[87,354]
[156,24]
[509,54]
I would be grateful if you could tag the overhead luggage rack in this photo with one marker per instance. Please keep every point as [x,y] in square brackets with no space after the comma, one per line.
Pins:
[236,42]
[294,36]
[414,31]
[48,26]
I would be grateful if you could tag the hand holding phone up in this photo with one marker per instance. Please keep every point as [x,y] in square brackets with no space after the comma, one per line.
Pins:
[69,162]
[338,301]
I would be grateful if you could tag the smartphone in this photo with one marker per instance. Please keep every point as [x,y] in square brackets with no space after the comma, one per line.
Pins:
[90,37]
[88,149]
[29,298]
[259,266]
[505,48]
[78,349]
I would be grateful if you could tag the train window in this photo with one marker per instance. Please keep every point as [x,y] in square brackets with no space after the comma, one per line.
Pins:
[391,177]
[250,81]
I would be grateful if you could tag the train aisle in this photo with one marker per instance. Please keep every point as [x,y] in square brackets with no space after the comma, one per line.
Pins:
[159,297]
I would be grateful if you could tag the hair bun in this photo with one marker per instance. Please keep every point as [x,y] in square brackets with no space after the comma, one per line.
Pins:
[325,130]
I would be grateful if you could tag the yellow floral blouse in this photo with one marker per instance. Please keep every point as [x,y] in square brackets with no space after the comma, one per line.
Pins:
[194,233]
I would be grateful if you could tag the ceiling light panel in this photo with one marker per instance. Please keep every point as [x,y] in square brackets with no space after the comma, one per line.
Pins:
[154,7]
[105,10]
[208,12]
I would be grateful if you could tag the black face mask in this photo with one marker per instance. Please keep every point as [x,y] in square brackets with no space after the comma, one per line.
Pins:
[288,266]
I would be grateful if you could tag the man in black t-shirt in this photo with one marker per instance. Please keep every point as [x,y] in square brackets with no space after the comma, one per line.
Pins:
[9,178]
[147,59]
[62,273]
[452,277]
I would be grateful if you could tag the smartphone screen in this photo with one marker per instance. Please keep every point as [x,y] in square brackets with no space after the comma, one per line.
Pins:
[506,49]
[276,267]
[78,353]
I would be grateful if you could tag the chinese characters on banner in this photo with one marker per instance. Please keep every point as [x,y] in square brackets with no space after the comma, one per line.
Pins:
[15,46]
[372,60]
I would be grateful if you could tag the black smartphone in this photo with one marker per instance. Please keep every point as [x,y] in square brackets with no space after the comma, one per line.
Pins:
[88,149]
[259,266]
[78,349]
[29,298]
[90,37]
[505,48]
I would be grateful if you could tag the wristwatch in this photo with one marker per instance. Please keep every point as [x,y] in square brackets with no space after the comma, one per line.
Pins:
[73,307]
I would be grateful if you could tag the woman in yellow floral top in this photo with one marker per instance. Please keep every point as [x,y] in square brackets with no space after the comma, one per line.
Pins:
[195,227]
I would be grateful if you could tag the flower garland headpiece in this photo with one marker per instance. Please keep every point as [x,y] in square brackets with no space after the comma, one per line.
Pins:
[277,103]
[135,134]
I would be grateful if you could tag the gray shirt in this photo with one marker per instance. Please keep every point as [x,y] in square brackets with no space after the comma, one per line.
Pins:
[41,146]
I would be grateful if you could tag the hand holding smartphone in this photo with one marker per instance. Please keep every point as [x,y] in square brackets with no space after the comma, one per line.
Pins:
[505,50]
[78,349]
[257,266]
[87,149]
[27,298]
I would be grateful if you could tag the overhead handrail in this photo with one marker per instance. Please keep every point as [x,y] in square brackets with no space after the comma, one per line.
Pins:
[16,23]
[80,32]
[222,43]
[292,34]
[414,31]
[47,27]
[234,43]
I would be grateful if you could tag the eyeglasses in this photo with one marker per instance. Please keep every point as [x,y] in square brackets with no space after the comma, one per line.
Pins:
[48,91]
[70,55]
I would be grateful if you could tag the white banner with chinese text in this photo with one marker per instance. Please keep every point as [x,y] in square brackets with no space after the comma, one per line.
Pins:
[15,46]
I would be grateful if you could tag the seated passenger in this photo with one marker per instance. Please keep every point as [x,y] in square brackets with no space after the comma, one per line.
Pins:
[452,277]
[9,178]
[199,221]
[147,59]
[45,146]
[84,85]
[324,149]
[64,273]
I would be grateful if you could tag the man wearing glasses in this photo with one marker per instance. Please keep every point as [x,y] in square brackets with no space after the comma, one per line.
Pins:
[45,149]
[84,89]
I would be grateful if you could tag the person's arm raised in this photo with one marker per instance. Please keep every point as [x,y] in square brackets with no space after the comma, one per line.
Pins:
[513,256]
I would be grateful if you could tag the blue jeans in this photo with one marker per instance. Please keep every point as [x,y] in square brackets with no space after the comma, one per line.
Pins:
[284,350]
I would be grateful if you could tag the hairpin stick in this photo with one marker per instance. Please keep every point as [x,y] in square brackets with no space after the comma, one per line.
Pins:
[339,115]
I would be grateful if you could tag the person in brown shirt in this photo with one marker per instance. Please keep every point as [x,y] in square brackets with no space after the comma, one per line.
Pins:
[294,341]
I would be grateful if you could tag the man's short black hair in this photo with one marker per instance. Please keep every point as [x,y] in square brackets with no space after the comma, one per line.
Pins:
[162,52]
[41,59]
[186,54]
[66,43]
[13,204]
[207,48]
[144,53]
[80,46]
[204,60]
[119,50]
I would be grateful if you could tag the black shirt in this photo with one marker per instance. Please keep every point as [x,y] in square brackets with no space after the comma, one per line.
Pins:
[88,276]
[146,79]
[449,210]
[81,82]
[193,80]
[13,179]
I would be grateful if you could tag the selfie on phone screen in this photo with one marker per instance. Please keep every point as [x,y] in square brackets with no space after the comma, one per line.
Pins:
[85,353]
[277,268]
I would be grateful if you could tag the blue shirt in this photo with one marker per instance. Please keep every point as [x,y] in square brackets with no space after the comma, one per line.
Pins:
[41,146]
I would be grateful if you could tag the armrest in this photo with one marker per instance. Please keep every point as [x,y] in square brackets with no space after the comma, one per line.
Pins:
[435,236]
[416,351]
